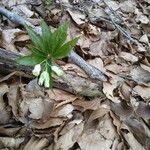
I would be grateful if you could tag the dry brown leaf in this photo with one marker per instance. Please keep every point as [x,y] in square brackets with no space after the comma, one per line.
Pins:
[4,112]
[23,10]
[98,113]
[100,47]
[125,91]
[37,144]
[122,109]
[92,105]
[143,110]
[84,42]
[140,75]
[74,68]
[9,37]
[116,69]
[60,95]
[67,140]
[127,6]
[37,108]
[13,98]
[11,142]
[9,131]
[128,57]
[78,18]
[108,89]
[101,136]
[143,91]
[63,111]
[143,19]
[93,30]
[98,63]
[131,140]
[51,122]
[116,122]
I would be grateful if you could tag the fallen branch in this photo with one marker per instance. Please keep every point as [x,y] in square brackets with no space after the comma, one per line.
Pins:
[70,83]
[93,72]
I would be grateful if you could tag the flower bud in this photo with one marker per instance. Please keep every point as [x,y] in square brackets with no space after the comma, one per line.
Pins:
[36,70]
[44,79]
[57,70]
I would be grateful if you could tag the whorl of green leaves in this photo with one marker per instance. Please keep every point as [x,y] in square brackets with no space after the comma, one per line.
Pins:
[47,47]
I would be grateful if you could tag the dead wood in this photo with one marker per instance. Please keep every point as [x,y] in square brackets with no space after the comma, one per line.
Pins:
[71,83]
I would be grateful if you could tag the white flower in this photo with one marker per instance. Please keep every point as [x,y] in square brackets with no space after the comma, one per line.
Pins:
[36,70]
[44,79]
[57,70]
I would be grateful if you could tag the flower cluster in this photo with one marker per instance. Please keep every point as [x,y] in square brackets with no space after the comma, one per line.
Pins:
[44,77]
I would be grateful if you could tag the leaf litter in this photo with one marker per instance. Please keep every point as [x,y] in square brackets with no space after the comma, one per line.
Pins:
[114,37]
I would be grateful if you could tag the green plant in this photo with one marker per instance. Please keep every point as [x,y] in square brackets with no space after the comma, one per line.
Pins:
[46,49]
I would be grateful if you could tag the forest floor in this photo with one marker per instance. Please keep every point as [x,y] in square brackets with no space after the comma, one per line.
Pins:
[114,38]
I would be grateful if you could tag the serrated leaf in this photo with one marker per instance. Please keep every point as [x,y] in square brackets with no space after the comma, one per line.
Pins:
[46,36]
[30,60]
[64,50]
[59,36]
[36,51]
[35,38]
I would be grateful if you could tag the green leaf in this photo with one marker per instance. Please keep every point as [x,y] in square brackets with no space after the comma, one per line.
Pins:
[59,36]
[36,51]
[30,60]
[46,36]
[35,38]
[64,50]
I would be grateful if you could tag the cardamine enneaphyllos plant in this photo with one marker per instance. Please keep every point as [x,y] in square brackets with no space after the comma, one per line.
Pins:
[46,49]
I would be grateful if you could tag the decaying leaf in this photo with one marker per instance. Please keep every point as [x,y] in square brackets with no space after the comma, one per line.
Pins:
[100,135]
[68,139]
[37,144]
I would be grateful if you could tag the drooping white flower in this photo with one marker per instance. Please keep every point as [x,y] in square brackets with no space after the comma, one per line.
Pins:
[44,79]
[57,70]
[37,69]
